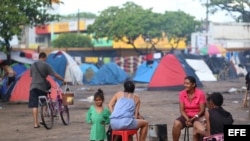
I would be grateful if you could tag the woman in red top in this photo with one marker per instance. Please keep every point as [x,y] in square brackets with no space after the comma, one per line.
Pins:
[192,106]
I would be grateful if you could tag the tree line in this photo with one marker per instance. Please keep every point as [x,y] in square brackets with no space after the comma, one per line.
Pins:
[124,23]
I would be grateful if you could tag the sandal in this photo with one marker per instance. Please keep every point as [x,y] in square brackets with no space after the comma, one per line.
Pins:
[38,126]
[41,123]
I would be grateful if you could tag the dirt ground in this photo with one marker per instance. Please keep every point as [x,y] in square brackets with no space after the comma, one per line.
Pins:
[158,107]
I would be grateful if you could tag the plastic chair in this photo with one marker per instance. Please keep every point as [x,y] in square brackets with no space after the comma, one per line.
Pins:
[125,134]
[215,137]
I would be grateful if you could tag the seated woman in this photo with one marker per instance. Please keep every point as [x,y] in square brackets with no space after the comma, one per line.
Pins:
[216,117]
[192,107]
[124,107]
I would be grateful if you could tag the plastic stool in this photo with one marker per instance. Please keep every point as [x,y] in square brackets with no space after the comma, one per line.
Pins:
[186,134]
[124,134]
[217,137]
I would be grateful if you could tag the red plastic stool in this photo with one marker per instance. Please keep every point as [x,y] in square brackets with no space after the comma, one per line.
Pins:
[124,134]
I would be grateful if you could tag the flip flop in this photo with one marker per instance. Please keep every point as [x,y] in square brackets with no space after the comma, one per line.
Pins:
[38,126]
[41,123]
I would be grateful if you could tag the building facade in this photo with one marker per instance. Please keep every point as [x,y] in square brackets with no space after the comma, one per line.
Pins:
[232,36]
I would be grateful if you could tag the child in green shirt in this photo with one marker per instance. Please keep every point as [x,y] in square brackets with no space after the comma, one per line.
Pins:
[98,117]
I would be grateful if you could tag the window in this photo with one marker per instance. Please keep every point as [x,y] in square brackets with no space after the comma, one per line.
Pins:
[40,39]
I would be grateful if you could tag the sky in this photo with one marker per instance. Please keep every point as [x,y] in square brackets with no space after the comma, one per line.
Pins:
[192,7]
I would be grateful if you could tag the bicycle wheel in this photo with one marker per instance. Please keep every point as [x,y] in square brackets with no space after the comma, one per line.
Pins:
[64,113]
[221,76]
[47,115]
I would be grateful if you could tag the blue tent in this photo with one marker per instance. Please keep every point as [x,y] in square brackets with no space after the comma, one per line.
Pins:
[65,66]
[109,73]
[85,66]
[19,68]
[58,62]
[144,72]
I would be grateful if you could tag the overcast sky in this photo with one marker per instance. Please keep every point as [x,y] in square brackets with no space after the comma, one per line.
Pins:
[192,7]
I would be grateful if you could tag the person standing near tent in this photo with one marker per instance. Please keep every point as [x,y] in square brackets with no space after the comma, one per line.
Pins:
[192,106]
[7,72]
[38,86]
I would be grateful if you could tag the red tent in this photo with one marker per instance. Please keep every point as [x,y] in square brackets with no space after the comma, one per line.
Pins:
[170,74]
[20,92]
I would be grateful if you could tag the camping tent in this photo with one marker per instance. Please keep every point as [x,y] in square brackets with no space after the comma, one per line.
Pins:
[65,66]
[85,66]
[144,72]
[88,71]
[170,74]
[201,69]
[109,73]
[19,68]
[20,91]
[218,64]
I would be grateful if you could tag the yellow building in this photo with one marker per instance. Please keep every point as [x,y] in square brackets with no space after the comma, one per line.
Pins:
[162,44]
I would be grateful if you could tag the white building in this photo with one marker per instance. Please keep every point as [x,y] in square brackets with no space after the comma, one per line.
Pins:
[232,36]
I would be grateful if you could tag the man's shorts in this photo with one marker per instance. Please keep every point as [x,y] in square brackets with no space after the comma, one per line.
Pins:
[33,98]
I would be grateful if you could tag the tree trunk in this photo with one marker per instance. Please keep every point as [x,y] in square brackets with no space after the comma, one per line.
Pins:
[8,48]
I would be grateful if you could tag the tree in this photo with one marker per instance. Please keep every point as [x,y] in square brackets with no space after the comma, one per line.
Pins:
[130,21]
[239,9]
[126,24]
[85,15]
[16,14]
[178,26]
[72,40]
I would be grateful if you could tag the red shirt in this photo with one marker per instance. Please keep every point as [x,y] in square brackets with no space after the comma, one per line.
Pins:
[192,107]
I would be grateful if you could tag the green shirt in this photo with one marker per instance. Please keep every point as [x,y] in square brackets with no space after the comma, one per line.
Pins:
[97,121]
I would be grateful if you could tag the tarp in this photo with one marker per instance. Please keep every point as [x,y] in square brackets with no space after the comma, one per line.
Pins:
[17,56]
[65,66]
[109,74]
[170,74]
[144,72]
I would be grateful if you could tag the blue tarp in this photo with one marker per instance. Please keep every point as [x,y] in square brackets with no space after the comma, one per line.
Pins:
[109,73]
[144,72]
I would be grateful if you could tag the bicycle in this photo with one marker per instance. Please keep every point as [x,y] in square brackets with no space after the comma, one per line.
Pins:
[223,74]
[51,109]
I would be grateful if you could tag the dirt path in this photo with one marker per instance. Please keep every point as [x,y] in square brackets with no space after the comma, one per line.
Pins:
[158,107]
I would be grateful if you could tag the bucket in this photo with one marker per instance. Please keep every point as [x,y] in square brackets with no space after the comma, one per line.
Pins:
[68,98]
[158,132]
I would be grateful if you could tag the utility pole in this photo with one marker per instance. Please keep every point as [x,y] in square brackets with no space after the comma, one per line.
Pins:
[207,23]
[51,34]
[78,21]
